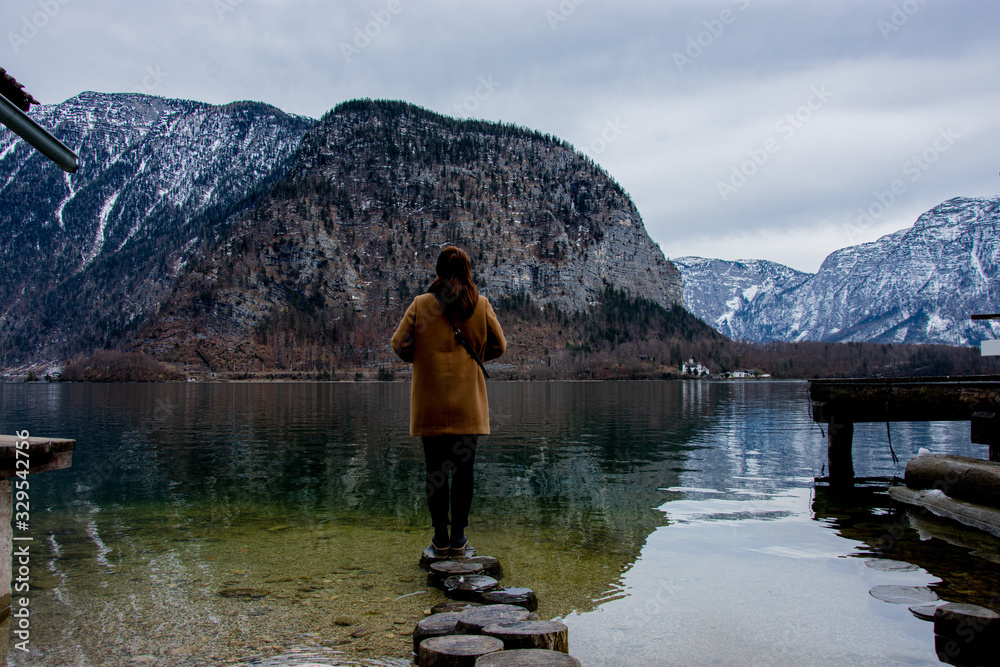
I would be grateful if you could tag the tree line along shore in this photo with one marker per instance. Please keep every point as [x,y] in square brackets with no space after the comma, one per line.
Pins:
[621,338]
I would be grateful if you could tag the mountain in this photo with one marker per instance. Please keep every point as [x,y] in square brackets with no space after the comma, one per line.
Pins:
[87,257]
[324,266]
[917,285]
[721,292]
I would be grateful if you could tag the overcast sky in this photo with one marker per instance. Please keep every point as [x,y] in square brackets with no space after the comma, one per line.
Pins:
[741,128]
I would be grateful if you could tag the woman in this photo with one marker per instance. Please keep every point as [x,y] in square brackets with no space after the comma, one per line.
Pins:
[448,405]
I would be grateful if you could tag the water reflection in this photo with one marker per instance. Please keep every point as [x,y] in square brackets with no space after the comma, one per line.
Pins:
[670,522]
[312,492]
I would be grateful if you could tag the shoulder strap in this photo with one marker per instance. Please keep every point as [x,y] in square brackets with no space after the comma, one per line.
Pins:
[461,339]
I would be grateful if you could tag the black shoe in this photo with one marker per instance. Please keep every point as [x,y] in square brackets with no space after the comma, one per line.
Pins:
[441,549]
[459,545]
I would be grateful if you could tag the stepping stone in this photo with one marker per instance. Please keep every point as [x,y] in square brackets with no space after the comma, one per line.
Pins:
[522,597]
[528,657]
[491,566]
[925,611]
[472,621]
[456,650]
[453,605]
[427,556]
[966,622]
[908,595]
[459,587]
[956,652]
[887,565]
[447,568]
[470,551]
[435,625]
[550,635]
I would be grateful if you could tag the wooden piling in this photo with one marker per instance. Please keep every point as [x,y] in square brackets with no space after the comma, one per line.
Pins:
[839,451]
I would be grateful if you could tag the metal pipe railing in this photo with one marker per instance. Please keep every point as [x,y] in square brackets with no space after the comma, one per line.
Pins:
[36,135]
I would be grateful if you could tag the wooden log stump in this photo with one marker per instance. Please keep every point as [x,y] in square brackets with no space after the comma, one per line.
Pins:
[956,652]
[473,621]
[491,566]
[967,622]
[428,557]
[453,605]
[435,625]
[966,634]
[469,552]
[959,477]
[550,635]
[522,597]
[447,568]
[528,657]
[456,650]
[460,587]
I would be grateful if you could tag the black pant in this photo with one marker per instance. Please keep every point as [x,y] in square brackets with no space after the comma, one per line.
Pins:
[455,454]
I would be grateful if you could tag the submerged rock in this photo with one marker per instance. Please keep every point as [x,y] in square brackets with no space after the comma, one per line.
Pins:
[244,593]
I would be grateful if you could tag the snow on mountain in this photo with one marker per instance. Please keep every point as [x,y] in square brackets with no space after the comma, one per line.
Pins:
[86,255]
[721,292]
[917,285]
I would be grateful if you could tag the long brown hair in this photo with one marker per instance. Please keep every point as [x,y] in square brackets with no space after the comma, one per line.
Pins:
[454,283]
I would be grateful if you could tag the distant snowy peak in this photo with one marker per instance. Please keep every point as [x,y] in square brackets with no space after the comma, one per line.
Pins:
[720,291]
[916,285]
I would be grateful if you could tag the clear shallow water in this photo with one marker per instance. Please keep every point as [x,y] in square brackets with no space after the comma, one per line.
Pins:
[666,522]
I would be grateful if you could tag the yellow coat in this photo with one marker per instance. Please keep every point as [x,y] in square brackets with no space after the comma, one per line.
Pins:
[448,394]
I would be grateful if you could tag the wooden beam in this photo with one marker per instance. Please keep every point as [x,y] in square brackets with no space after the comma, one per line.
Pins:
[904,399]
[43,454]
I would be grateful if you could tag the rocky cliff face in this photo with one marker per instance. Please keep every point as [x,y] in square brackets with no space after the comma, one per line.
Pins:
[87,257]
[917,285]
[351,235]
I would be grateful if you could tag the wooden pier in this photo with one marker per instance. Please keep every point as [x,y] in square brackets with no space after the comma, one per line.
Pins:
[842,403]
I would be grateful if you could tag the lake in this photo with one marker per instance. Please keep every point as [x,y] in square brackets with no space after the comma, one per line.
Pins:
[666,523]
